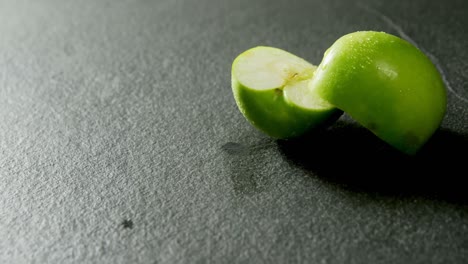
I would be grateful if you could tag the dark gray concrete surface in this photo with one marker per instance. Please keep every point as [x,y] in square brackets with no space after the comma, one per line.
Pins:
[120,141]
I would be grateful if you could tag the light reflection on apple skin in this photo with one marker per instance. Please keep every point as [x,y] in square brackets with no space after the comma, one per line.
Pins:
[386,70]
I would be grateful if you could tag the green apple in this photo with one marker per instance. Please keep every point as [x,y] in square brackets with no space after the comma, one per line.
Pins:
[386,84]
[271,89]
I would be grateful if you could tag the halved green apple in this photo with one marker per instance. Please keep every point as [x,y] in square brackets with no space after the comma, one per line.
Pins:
[271,89]
[386,84]
[382,81]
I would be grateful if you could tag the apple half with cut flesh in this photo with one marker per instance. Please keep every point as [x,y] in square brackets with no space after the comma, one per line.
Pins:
[271,89]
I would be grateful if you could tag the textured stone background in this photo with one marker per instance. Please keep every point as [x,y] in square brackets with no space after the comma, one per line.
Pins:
[120,141]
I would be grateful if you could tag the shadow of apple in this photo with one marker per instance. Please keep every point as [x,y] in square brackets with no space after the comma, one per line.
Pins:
[348,155]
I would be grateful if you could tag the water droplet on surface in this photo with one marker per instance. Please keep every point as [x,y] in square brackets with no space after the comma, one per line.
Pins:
[234,148]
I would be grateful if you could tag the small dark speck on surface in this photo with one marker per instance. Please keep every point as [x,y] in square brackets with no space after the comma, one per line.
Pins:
[127,224]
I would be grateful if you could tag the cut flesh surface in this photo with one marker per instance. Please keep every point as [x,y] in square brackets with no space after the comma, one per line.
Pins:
[266,68]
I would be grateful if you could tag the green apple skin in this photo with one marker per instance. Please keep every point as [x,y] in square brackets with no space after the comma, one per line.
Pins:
[271,110]
[268,111]
[386,84]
